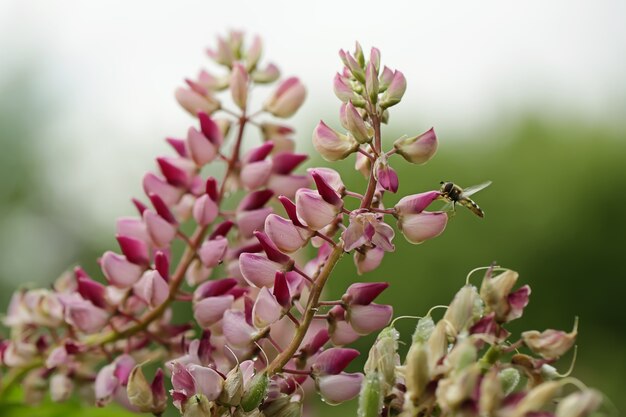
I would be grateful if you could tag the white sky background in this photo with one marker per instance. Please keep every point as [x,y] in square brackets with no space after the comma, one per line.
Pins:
[112,66]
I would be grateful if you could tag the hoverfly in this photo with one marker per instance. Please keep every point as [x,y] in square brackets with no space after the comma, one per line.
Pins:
[457,195]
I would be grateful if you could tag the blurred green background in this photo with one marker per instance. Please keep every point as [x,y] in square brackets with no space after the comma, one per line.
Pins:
[554,213]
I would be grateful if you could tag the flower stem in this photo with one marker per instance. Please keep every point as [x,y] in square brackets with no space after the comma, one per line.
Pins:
[311,307]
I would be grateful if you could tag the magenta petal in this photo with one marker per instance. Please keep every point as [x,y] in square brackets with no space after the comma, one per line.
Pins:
[334,360]
[281,290]
[210,310]
[161,208]
[259,153]
[136,251]
[255,200]
[517,301]
[182,380]
[364,292]
[254,175]
[336,389]
[252,220]
[178,145]
[290,208]
[201,150]
[285,162]
[177,171]
[214,288]
[92,291]
[325,190]
[416,203]
[366,319]
[210,129]
[272,252]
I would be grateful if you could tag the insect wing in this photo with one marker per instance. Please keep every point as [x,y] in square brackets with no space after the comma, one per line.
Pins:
[475,188]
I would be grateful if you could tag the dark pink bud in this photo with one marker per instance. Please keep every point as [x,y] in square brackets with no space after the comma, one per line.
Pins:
[141,207]
[334,360]
[177,171]
[416,203]
[317,342]
[211,188]
[201,149]
[178,145]
[158,391]
[388,178]
[259,153]
[255,200]
[135,250]
[210,310]
[363,292]
[290,208]
[281,290]
[161,208]
[222,229]
[90,289]
[271,250]
[326,191]
[162,265]
[152,289]
[205,210]
[285,162]
[214,288]
[210,129]
[518,300]
[257,270]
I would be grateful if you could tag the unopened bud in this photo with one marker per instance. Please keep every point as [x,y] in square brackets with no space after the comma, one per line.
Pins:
[371,397]
[465,308]
[356,125]
[256,392]
[139,391]
[509,379]
[61,387]
[579,404]
[287,98]
[254,53]
[395,91]
[332,145]
[371,82]
[537,398]
[233,388]
[417,149]
[198,406]
[550,344]
[239,85]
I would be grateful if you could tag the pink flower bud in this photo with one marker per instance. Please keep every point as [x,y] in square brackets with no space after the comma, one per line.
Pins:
[210,310]
[266,309]
[342,88]
[90,289]
[550,344]
[387,177]
[288,185]
[336,389]
[156,185]
[465,309]
[119,271]
[212,129]
[284,163]
[356,125]
[385,79]
[416,203]
[201,150]
[395,91]
[498,296]
[162,264]
[287,98]
[132,227]
[313,211]
[177,171]
[212,252]
[355,67]
[287,237]
[418,149]
[257,270]
[194,102]
[368,229]
[152,289]
[135,250]
[281,290]
[375,58]
[250,221]
[205,210]
[255,200]
[239,85]
[332,145]
[253,54]
[161,232]
[161,209]
[178,145]
[334,360]
[363,293]
[327,192]
[267,75]
[371,82]
[254,175]
[417,228]
[272,252]
[368,259]
[84,315]
[366,319]
[236,330]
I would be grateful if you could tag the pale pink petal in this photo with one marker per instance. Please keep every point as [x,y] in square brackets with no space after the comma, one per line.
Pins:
[210,310]
[336,389]
[366,319]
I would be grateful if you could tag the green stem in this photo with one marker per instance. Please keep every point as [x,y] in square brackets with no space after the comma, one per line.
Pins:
[311,307]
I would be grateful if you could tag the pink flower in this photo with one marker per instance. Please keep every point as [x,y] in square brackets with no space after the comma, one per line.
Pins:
[368,229]
[119,271]
[287,237]
[366,319]
[287,98]
[266,309]
[332,145]
[417,228]
[368,259]
[212,252]
[239,85]
[236,329]
[152,289]
[83,314]
[332,361]
[112,379]
[363,293]
[336,389]
[418,149]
